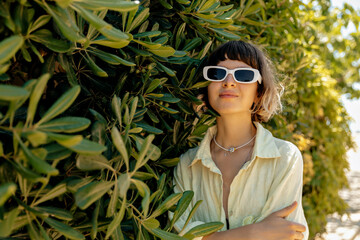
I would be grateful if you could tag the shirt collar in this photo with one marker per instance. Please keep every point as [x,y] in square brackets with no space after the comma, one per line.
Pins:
[264,147]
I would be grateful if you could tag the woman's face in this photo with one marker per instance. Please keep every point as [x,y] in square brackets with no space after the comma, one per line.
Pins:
[229,96]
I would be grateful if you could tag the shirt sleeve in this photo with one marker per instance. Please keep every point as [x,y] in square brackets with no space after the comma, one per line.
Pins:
[287,188]
[182,182]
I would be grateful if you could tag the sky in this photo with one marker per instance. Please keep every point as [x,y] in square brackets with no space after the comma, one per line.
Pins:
[352,106]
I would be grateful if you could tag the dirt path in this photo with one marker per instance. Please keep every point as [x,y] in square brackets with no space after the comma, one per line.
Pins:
[344,227]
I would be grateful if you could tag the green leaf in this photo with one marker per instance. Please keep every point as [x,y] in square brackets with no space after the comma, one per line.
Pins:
[114,199]
[133,106]
[53,193]
[63,103]
[192,44]
[94,68]
[11,93]
[25,53]
[88,147]
[145,145]
[94,221]
[153,151]
[153,85]
[163,51]
[167,109]
[172,162]
[168,71]
[123,184]
[204,229]
[111,58]
[168,203]
[43,232]
[148,128]
[6,190]
[105,28]
[192,212]
[91,162]
[9,46]
[70,73]
[135,130]
[182,205]
[91,192]
[116,108]
[98,116]
[36,138]
[117,220]
[226,34]
[33,231]
[143,175]
[44,36]
[120,6]
[38,23]
[35,96]
[140,18]
[3,69]
[151,223]
[163,235]
[27,173]
[38,164]
[140,52]
[149,34]
[144,191]
[37,53]
[166,97]
[8,223]
[120,145]
[56,212]
[65,23]
[65,140]
[63,3]
[64,229]
[205,50]
[1,149]
[149,45]
[56,152]
[66,124]
[200,84]
[75,184]
[185,2]
[109,43]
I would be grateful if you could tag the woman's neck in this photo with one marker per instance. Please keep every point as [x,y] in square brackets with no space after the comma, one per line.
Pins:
[234,130]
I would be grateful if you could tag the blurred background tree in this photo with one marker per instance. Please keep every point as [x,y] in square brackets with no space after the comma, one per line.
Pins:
[98,99]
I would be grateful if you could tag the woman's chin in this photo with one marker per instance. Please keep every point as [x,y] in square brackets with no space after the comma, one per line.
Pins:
[232,111]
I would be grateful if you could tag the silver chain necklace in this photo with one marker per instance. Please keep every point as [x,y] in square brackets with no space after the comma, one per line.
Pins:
[232,149]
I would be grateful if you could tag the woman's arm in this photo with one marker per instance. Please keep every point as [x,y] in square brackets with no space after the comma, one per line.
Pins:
[273,227]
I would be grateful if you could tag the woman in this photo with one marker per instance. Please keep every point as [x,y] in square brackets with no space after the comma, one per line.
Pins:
[243,174]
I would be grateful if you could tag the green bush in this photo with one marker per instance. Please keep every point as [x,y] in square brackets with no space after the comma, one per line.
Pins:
[100,167]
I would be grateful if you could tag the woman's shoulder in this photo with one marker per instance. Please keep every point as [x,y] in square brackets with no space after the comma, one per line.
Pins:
[289,152]
[187,157]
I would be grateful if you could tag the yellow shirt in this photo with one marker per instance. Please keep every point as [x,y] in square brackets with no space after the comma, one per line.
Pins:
[270,181]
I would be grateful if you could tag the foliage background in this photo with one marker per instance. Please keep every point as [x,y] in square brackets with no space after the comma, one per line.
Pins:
[98,99]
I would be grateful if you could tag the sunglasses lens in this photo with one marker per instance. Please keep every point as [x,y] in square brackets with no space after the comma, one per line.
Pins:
[216,74]
[244,75]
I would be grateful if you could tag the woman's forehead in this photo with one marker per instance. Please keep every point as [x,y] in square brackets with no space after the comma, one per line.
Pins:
[229,63]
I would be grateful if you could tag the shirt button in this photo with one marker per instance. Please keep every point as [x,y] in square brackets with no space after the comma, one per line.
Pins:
[231,212]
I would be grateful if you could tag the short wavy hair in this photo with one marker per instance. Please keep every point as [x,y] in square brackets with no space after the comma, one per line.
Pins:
[268,92]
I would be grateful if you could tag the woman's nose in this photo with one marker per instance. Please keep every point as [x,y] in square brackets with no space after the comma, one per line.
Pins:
[229,81]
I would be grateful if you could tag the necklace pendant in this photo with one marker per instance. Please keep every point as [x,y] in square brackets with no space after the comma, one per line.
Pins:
[231,150]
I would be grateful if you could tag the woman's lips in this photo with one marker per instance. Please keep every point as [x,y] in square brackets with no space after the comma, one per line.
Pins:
[227,95]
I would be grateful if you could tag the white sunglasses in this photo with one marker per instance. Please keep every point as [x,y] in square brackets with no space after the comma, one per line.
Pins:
[241,75]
